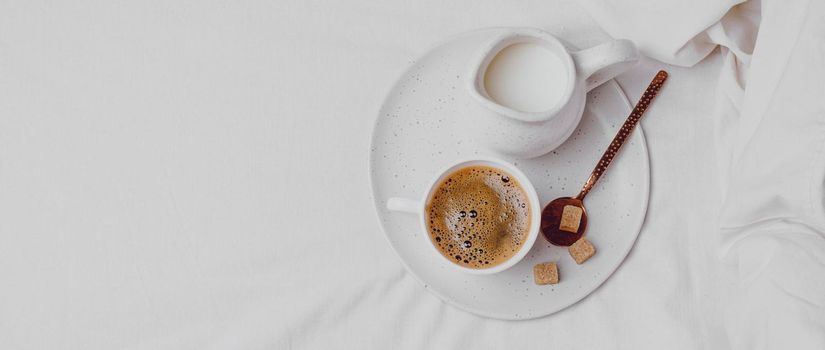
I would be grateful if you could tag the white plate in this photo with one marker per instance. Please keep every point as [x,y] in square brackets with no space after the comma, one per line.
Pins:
[417,133]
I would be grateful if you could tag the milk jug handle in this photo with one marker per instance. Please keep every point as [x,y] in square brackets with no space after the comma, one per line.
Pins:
[601,63]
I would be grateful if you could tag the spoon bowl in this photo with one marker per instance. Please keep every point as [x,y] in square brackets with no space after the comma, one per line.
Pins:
[551,221]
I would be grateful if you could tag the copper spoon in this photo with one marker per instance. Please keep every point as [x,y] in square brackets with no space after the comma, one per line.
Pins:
[551,216]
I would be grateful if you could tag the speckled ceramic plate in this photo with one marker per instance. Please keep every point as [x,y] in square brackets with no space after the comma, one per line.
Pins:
[418,132]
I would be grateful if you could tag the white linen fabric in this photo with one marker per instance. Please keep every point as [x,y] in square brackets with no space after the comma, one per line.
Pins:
[192,175]
[773,219]
[675,32]
[770,135]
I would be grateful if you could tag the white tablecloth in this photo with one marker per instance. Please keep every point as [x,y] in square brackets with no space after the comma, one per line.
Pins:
[193,175]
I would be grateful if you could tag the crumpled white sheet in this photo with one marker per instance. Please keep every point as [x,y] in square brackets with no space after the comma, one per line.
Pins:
[770,137]
[192,175]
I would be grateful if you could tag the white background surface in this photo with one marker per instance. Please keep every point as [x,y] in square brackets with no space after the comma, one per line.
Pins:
[194,176]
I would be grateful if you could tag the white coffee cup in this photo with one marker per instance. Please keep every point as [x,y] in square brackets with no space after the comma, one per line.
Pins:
[418,207]
[528,134]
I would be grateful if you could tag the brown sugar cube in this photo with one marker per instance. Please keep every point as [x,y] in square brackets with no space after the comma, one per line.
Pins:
[571,217]
[581,250]
[546,273]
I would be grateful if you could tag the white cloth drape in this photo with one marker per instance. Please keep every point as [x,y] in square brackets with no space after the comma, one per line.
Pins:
[770,139]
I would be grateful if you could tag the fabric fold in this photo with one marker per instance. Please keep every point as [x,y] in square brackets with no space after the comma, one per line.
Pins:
[770,139]
[673,32]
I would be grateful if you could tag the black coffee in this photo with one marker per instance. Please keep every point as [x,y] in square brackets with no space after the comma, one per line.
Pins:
[478,216]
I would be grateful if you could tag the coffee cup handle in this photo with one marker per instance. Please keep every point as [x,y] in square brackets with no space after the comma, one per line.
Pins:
[601,63]
[404,205]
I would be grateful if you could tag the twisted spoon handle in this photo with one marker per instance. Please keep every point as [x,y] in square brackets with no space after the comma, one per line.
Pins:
[624,132]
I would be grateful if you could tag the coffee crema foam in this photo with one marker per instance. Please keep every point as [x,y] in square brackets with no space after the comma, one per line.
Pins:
[478,216]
